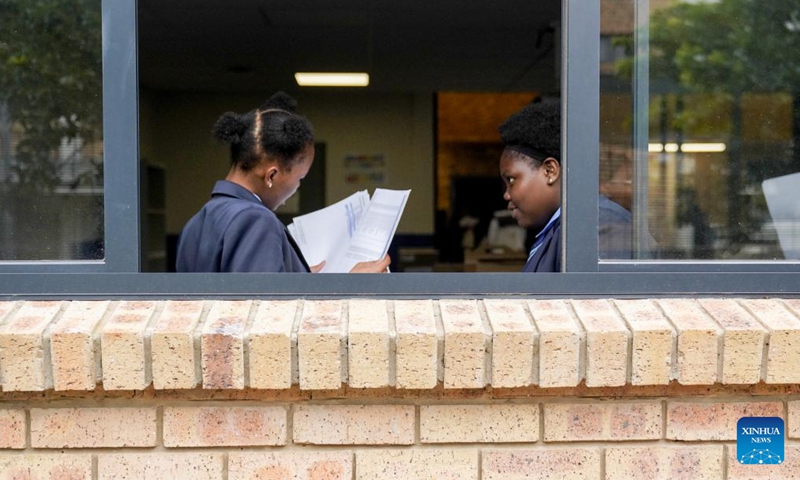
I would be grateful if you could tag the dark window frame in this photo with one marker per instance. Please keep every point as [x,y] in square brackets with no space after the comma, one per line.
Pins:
[118,274]
[120,154]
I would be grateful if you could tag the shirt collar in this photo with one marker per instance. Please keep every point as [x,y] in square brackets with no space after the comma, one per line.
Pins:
[549,225]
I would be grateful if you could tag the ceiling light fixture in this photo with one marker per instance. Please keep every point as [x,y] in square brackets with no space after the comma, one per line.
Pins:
[319,79]
[687,147]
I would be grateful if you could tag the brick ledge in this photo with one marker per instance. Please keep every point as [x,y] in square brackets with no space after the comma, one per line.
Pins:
[401,345]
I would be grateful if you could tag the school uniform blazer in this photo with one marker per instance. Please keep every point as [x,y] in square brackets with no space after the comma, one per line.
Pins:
[614,231]
[235,232]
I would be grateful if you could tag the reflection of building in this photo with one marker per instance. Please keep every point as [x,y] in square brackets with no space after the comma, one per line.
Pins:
[708,152]
[63,192]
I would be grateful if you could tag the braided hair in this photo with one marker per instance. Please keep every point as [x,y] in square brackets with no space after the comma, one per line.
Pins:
[273,129]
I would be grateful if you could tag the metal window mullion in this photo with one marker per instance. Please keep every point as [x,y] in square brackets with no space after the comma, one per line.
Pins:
[120,137]
[580,141]
[641,129]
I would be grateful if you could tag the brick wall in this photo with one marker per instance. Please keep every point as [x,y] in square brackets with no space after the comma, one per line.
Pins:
[462,389]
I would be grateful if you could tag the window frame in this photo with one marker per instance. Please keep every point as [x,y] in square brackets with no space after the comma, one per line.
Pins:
[585,275]
[122,241]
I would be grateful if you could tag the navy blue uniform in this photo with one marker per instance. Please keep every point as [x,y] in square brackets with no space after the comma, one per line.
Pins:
[235,232]
[614,225]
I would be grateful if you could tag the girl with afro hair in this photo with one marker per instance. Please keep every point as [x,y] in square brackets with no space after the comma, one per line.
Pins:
[272,149]
[530,166]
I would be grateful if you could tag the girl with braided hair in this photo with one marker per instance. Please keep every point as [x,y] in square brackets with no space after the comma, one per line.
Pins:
[272,149]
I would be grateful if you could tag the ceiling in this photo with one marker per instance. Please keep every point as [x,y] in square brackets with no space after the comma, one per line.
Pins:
[415,45]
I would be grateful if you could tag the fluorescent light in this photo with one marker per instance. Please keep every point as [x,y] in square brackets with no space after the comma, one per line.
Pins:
[703,147]
[687,147]
[318,79]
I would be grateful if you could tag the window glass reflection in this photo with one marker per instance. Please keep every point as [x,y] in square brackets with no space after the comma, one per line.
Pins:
[700,106]
[51,155]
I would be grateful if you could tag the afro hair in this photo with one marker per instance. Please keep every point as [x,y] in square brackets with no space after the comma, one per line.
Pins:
[536,127]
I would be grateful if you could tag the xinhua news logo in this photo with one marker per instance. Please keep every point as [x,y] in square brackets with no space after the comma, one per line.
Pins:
[759,440]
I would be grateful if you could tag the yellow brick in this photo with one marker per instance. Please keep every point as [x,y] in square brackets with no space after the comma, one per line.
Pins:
[541,463]
[502,423]
[417,344]
[72,346]
[24,363]
[368,344]
[699,339]
[51,466]
[514,344]
[354,424]
[793,424]
[222,345]
[125,354]
[314,465]
[700,462]
[583,422]
[93,427]
[160,466]
[12,428]
[272,346]
[607,340]
[783,341]
[653,342]
[561,342]
[465,344]
[173,350]
[417,464]
[694,421]
[319,345]
[743,341]
[224,426]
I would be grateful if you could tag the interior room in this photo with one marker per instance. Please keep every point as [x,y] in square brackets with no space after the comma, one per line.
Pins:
[442,77]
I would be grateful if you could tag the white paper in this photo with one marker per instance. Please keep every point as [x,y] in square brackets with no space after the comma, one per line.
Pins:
[783,202]
[352,230]
[319,233]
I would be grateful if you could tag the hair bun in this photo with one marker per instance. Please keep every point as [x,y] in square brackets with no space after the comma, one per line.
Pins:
[282,101]
[230,128]
[295,127]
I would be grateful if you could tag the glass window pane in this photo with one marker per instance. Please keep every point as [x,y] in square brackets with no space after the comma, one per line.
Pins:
[51,137]
[443,76]
[700,112]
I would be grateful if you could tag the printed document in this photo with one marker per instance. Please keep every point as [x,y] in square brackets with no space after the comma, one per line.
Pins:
[353,230]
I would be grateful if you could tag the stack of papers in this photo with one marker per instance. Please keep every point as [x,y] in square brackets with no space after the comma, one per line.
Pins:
[350,231]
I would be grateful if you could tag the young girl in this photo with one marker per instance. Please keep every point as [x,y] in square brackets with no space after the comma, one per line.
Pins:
[272,149]
[531,170]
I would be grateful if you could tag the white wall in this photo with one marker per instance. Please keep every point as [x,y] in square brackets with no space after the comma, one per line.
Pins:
[176,133]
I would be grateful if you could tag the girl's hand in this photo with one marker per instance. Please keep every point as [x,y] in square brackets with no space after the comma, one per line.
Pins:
[375,266]
[318,267]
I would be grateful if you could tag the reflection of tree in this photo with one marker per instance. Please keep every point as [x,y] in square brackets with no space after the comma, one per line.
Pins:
[50,85]
[728,48]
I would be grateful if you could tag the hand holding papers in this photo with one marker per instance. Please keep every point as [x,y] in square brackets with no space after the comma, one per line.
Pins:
[353,230]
